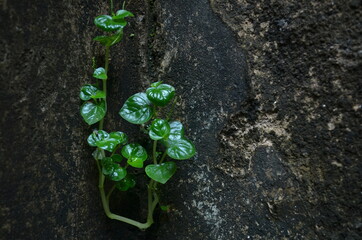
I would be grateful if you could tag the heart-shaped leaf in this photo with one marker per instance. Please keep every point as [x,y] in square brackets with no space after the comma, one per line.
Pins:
[161,172]
[159,129]
[107,141]
[176,131]
[97,154]
[110,40]
[108,166]
[135,153]
[97,136]
[160,94]
[118,173]
[123,13]
[93,112]
[126,183]
[112,169]
[106,23]
[108,144]
[100,73]
[121,137]
[181,149]
[137,109]
[117,158]
[89,91]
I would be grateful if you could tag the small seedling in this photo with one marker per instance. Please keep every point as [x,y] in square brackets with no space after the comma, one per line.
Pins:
[114,154]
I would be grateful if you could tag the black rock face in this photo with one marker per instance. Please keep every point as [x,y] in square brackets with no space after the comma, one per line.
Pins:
[270,93]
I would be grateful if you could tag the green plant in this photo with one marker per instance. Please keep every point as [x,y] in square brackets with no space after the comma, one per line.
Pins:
[114,155]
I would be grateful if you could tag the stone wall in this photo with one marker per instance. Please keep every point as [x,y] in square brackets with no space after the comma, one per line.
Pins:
[270,92]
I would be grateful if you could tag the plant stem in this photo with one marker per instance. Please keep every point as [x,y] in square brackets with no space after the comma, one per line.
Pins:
[105,84]
[115,150]
[154,152]
[115,216]
[163,157]
[105,198]
[110,192]
[112,12]
[105,203]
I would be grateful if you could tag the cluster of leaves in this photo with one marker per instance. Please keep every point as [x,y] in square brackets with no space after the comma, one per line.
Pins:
[94,108]
[141,108]
[114,24]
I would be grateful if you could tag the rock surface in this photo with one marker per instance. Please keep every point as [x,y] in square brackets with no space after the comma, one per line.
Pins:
[270,92]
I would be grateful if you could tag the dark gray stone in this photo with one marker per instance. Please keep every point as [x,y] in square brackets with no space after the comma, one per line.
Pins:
[270,93]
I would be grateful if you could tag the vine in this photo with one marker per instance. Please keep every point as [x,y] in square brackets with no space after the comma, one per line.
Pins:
[114,155]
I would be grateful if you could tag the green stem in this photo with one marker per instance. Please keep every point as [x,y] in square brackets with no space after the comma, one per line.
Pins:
[112,11]
[105,198]
[115,150]
[105,203]
[110,192]
[154,152]
[151,203]
[115,216]
[163,157]
[106,65]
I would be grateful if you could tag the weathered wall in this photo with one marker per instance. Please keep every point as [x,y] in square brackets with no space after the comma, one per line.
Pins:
[270,93]
[48,177]
[300,134]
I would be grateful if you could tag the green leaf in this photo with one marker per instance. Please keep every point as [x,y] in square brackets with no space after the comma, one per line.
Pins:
[118,173]
[119,20]
[156,84]
[117,158]
[99,94]
[135,154]
[100,73]
[161,94]
[123,13]
[108,144]
[159,129]
[110,40]
[106,23]
[113,170]
[96,136]
[181,149]
[106,141]
[137,109]
[97,154]
[135,162]
[108,166]
[161,172]
[121,137]
[165,208]
[93,112]
[126,183]
[176,131]
[89,91]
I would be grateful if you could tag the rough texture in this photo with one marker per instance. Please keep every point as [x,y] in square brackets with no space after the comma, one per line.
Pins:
[49,179]
[296,144]
[278,138]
